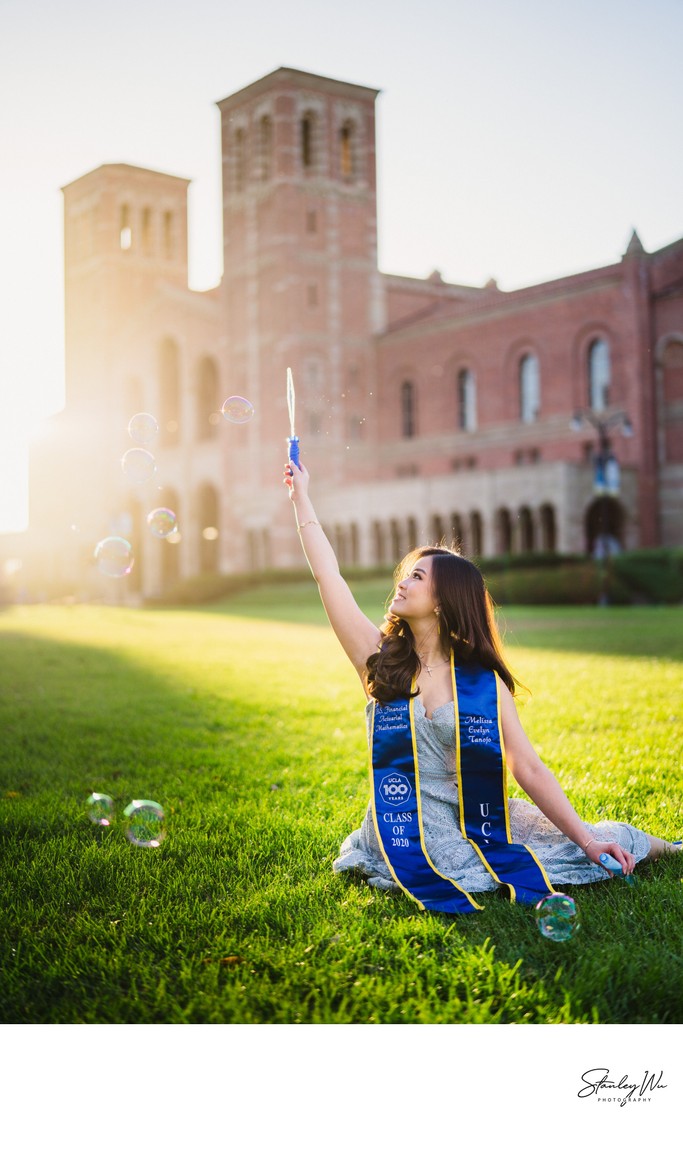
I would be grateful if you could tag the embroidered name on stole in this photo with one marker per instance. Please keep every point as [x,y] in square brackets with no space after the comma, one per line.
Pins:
[482,785]
[484,820]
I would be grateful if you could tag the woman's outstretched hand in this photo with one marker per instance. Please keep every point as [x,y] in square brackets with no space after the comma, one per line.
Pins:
[296,479]
[625,860]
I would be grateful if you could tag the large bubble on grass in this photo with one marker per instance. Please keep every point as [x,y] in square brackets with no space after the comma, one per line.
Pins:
[138,465]
[114,556]
[145,823]
[143,427]
[236,409]
[100,809]
[557,916]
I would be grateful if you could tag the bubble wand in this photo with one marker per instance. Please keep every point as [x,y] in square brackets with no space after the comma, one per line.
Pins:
[293,439]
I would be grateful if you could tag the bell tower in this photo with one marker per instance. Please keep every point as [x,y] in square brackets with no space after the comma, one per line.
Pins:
[125,240]
[301,286]
[125,230]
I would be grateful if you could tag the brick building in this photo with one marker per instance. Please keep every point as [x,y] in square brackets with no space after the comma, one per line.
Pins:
[426,409]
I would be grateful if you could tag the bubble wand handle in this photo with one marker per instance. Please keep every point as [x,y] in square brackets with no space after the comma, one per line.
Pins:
[293,440]
[613,865]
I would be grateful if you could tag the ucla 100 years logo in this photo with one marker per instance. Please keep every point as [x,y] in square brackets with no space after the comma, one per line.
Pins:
[395,789]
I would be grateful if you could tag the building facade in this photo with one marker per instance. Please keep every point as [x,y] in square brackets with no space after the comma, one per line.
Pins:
[426,410]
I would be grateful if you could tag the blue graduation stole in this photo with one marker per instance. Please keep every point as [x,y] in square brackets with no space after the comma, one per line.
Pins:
[482,787]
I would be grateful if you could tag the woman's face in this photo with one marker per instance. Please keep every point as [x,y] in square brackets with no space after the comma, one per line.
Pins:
[413,598]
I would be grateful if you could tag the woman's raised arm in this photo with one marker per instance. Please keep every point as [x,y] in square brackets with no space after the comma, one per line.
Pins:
[358,635]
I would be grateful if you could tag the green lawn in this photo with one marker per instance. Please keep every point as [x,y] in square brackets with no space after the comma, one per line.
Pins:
[245,721]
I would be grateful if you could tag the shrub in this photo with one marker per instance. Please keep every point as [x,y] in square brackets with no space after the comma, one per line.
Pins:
[573,583]
[652,576]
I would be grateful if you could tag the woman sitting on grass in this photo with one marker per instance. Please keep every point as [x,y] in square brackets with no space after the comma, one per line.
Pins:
[443,726]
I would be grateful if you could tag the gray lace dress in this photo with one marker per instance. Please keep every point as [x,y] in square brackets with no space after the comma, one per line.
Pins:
[563,861]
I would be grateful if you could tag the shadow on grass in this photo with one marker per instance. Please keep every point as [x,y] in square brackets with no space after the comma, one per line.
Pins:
[77,716]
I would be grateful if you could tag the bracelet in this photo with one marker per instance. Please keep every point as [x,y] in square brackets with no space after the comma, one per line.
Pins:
[589,843]
[308,523]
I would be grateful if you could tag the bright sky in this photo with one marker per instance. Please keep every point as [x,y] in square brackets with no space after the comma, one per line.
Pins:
[516,138]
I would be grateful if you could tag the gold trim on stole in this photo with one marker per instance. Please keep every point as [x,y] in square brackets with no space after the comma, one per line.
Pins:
[411,711]
[539,864]
[374,814]
[418,796]
[501,882]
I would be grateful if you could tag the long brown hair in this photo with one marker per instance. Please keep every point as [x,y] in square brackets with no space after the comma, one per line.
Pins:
[466,615]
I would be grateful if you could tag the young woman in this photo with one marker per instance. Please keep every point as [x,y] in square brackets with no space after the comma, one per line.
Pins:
[443,727]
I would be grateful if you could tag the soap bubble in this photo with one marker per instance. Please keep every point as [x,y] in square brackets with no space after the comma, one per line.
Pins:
[557,916]
[145,823]
[162,522]
[114,556]
[138,465]
[143,427]
[100,809]
[237,410]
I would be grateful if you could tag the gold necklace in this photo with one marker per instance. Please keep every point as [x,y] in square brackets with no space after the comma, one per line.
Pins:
[429,669]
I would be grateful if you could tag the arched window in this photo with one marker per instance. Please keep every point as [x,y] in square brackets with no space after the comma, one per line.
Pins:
[207,520]
[354,541]
[548,528]
[411,528]
[134,535]
[308,141]
[207,413]
[407,409]
[378,541]
[526,530]
[168,547]
[476,534]
[265,143]
[239,159]
[672,394]
[313,377]
[396,541]
[457,532]
[437,532]
[340,545]
[672,371]
[604,522]
[599,374]
[503,531]
[169,236]
[529,389]
[125,229]
[169,393]
[347,150]
[467,400]
[147,237]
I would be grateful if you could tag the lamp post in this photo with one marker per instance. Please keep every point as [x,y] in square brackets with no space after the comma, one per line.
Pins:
[606,478]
